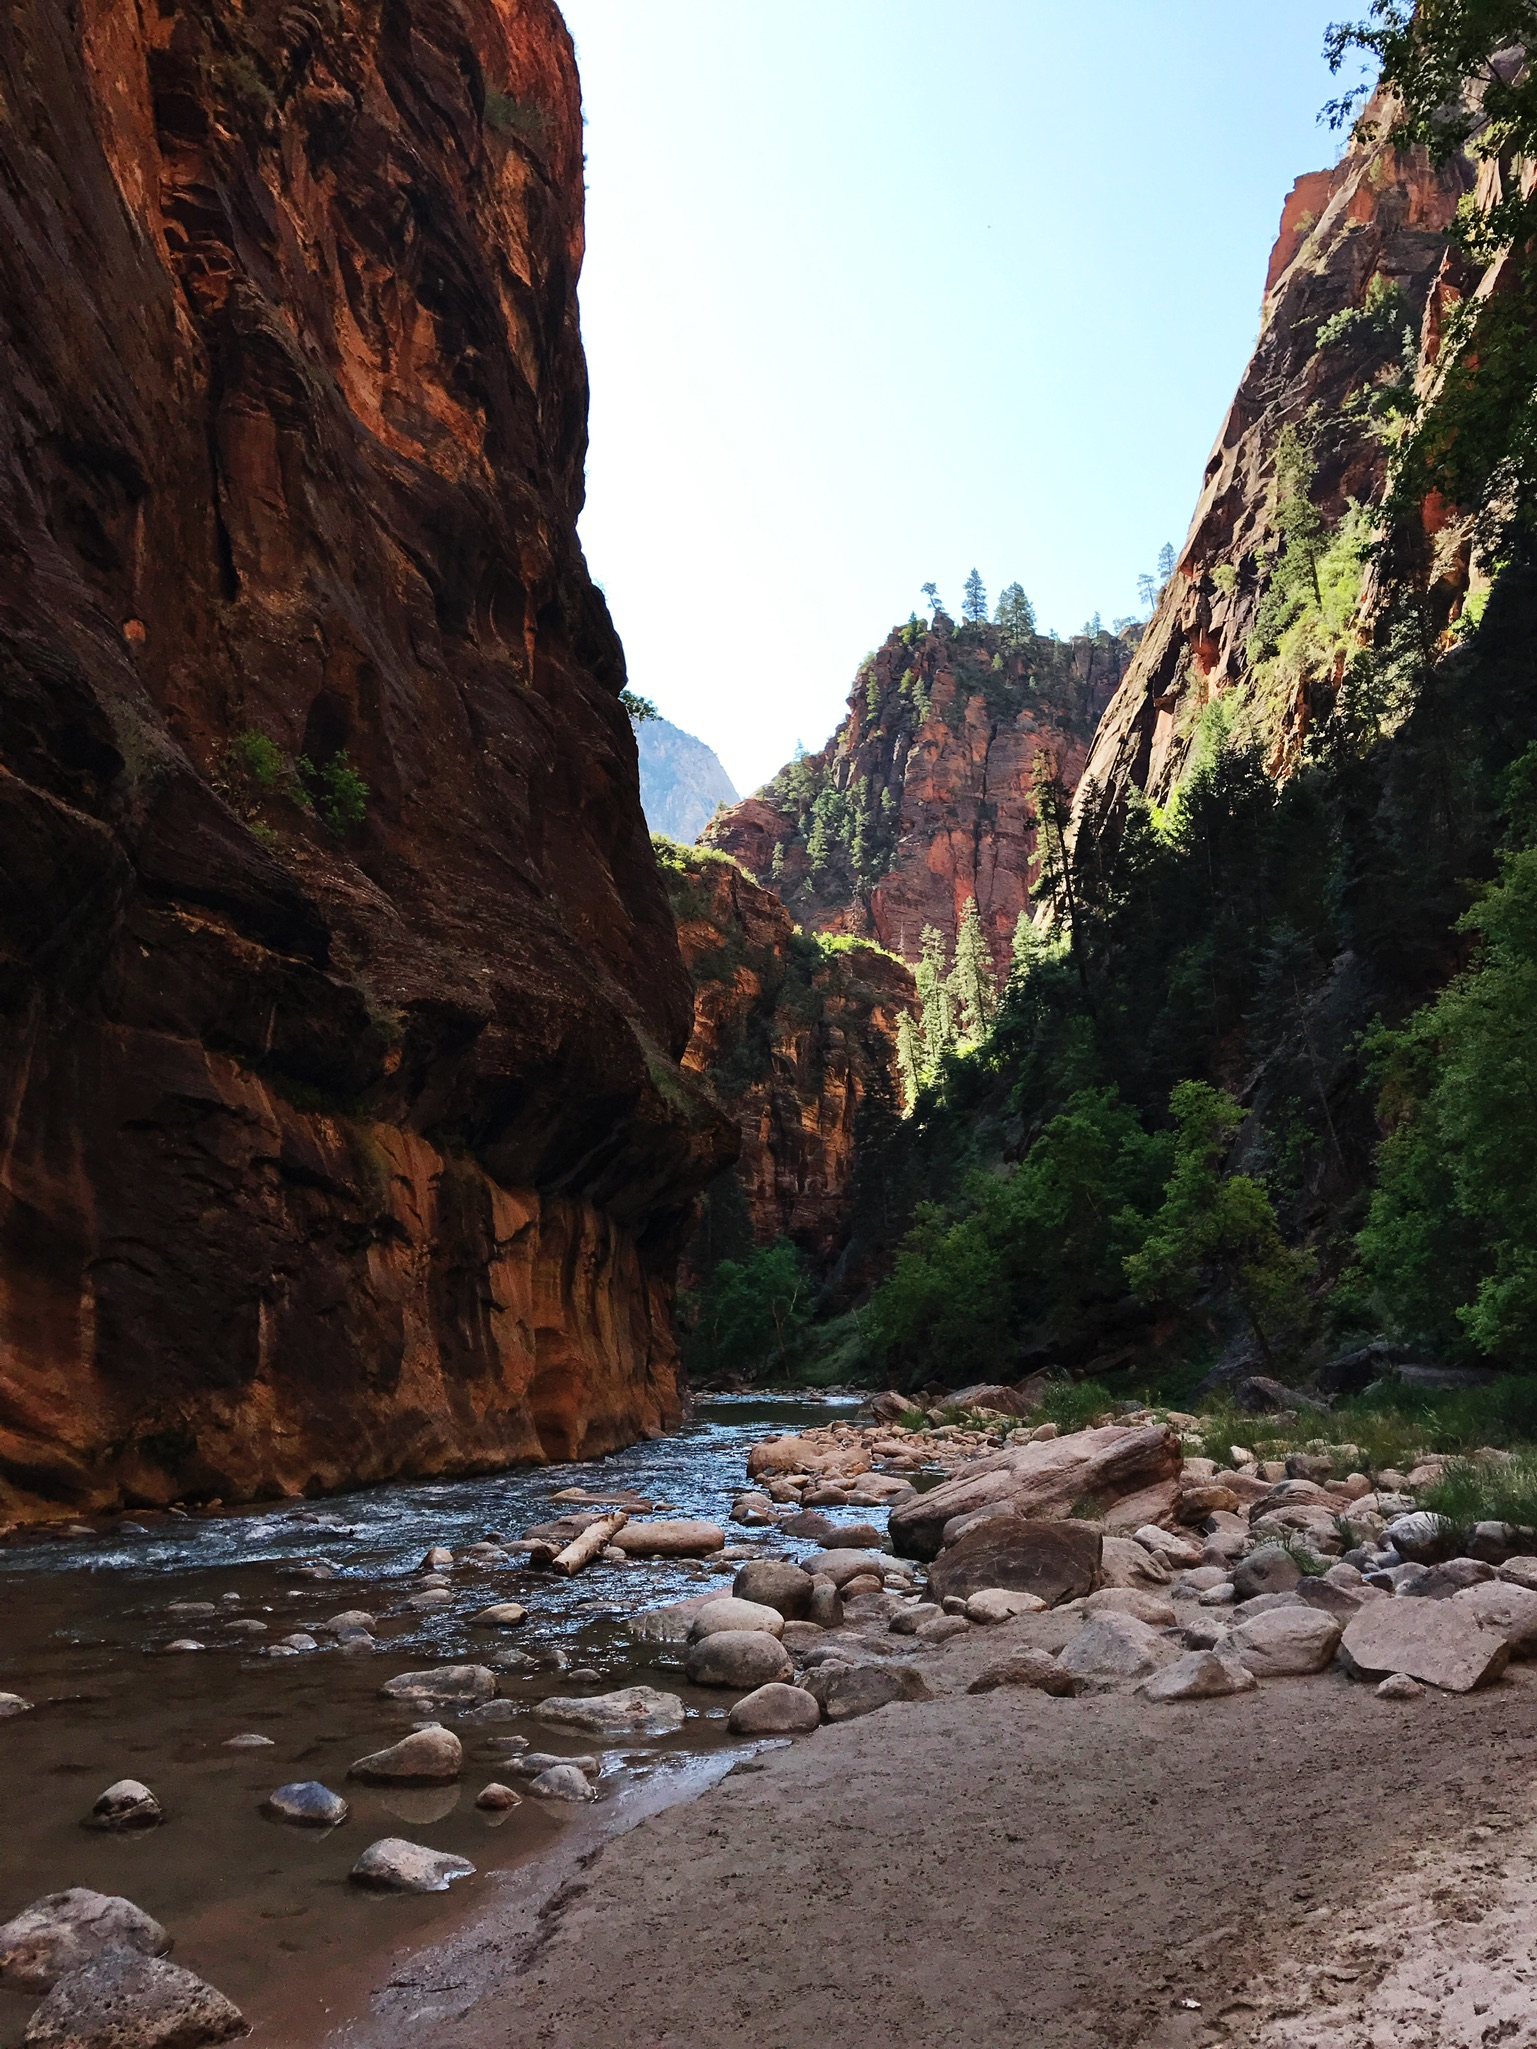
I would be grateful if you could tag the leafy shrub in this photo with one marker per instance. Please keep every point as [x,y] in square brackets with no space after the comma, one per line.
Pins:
[337,791]
[750,1313]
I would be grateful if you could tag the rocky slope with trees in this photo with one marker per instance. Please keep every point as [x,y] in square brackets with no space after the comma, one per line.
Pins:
[341,1006]
[924,799]
[1254,1096]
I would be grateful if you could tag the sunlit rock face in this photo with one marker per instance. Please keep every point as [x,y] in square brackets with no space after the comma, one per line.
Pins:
[343,1129]
[924,797]
[1372,232]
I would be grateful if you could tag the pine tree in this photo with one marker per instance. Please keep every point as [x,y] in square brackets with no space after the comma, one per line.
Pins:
[1016,616]
[1147,591]
[935,601]
[935,997]
[971,979]
[1165,562]
[974,599]
[777,864]
[1026,949]
[910,1061]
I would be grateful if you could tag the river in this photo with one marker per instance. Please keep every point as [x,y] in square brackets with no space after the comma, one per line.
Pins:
[263,1910]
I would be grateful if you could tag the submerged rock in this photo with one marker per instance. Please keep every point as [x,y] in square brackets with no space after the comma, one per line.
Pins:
[563,1782]
[427,1757]
[395,1865]
[306,1803]
[444,1685]
[125,1804]
[633,1710]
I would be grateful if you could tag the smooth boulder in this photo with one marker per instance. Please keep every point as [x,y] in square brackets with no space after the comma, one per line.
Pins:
[842,1567]
[745,1658]
[394,1865]
[1442,1643]
[773,1583]
[563,1782]
[427,1757]
[1200,1675]
[1055,1561]
[122,2000]
[501,1615]
[1030,1667]
[306,1803]
[1283,1643]
[1000,1604]
[775,1710]
[442,1685]
[64,1931]
[731,1613]
[1115,1650]
[844,1692]
[1268,1570]
[632,1711]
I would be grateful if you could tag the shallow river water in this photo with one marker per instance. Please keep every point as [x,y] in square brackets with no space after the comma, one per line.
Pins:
[264,1910]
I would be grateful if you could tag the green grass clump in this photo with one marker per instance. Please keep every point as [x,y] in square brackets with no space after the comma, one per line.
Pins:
[1473,1491]
[1074,1404]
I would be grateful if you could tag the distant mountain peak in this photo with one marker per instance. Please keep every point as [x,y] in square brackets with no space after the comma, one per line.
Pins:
[681,780]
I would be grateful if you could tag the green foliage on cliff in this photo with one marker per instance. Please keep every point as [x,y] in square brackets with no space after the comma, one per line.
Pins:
[1450,1244]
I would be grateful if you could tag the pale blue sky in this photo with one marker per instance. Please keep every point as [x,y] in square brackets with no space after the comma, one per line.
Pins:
[879,289]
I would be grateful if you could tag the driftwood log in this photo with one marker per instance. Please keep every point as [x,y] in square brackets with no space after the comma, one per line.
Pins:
[583,1549]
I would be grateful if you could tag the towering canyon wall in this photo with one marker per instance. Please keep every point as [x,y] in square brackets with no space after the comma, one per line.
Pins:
[342,1133]
[922,798]
[1354,299]
[797,1037]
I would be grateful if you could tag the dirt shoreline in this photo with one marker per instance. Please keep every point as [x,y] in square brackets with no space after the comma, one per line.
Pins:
[1006,1869]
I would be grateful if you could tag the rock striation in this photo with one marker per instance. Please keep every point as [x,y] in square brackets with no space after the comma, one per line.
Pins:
[795,1037]
[340,1006]
[923,798]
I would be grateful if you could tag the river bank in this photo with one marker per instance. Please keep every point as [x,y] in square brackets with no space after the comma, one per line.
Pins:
[986,1870]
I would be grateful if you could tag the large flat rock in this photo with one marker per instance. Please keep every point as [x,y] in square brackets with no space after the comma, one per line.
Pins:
[1441,1642]
[1044,1479]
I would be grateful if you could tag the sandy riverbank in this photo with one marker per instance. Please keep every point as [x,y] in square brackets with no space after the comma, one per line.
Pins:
[1010,1869]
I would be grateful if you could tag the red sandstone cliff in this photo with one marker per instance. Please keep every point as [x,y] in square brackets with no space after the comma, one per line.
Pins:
[1353,297]
[922,798]
[795,1036]
[331,1147]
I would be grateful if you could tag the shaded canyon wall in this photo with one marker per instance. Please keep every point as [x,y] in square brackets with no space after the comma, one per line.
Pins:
[342,1131]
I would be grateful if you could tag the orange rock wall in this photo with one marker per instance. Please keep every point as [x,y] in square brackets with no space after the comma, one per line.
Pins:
[795,1039]
[331,1148]
[937,751]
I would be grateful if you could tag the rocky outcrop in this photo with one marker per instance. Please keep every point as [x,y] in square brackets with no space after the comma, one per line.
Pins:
[1351,295]
[340,1005]
[681,780]
[923,799]
[795,1036]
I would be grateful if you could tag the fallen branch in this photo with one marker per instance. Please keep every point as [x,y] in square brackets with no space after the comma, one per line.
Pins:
[583,1549]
